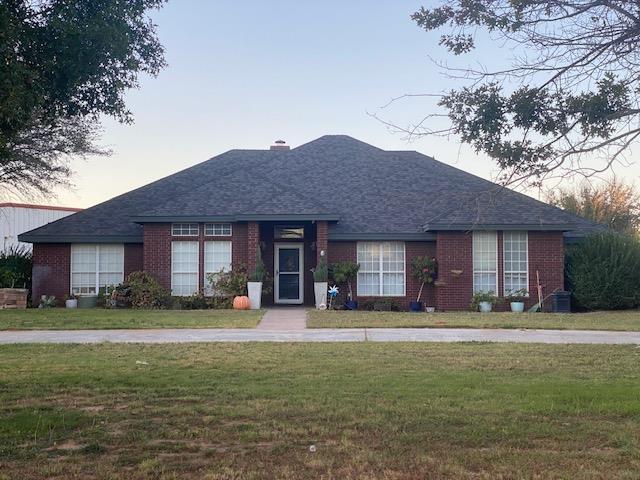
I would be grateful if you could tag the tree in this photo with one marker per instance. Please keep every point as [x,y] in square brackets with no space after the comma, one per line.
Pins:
[63,63]
[570,92]
[614,204]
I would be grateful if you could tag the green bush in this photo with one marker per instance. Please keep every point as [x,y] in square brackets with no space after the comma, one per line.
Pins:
[15,268]
[321,272]
[604,272]
[230,283]
[141,290]
[200,302]
[382,305]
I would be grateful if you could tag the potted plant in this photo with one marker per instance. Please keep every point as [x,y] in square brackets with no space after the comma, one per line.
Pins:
[424,270]
[256,279]
[483,301]
[320,279]
[516,299]
[71,301]
[346,273]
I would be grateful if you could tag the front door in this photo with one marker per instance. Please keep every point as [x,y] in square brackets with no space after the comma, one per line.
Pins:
[288,274]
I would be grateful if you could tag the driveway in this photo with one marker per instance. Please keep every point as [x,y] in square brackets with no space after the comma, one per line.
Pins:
[320,335]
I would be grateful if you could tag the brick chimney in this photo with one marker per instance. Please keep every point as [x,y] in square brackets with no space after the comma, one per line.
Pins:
[279,145]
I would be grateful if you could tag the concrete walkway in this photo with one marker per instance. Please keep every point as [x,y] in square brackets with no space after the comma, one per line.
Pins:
[320,335]
[284,318]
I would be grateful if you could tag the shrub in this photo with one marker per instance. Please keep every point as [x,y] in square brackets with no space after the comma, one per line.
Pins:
[260,272]
[382,305]
[15,267]
[321,272]
[345,273]
[230,283]
[424,270]
[200,302]
[141,290]
[604,272]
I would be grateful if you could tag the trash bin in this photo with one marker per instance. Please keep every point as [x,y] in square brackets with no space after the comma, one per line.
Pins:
[561,302]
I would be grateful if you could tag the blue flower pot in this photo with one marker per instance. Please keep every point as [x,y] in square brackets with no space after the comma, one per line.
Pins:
[415,306]
[351,305]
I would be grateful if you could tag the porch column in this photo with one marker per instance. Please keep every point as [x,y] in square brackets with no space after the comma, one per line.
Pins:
[253,239]
[322,239]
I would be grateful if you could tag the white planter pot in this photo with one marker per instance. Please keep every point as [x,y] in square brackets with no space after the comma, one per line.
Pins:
[71,303]
[430,309]
[517,307]
[320,290]
[255,294]
[485,307]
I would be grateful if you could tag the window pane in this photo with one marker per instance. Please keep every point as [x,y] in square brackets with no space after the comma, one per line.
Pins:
[184,268]
[515,261]
[185,229]
[218,229]
[217,256]
[382,268]
[485,261]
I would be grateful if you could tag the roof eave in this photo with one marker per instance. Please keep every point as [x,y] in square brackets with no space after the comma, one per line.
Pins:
[411,236]
[435,227]
[235,218]
[80,238]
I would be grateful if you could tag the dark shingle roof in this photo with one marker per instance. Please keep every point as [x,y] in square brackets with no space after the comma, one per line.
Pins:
[368,190]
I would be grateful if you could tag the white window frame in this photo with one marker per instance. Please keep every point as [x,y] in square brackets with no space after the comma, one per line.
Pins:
[475,239]
[196,273]
[504,261]
[210,229]
[381,271]
[178,229]
[208,289]
[96,271]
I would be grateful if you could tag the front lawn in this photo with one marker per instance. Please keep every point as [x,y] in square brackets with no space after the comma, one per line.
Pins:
[100,318]
[622,320]
[252,411]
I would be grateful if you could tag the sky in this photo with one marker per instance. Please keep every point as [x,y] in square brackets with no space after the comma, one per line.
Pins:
[244,74]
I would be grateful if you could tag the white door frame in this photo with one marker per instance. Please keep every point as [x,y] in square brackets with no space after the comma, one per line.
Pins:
[276,273]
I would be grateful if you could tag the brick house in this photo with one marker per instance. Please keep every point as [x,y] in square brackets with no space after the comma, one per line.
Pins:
[335,194]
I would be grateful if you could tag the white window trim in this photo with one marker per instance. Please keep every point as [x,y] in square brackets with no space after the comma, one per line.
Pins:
[218,235]
[97,272]
[197,269]
[173,234]
[381,273]
[504,265]
[474,271]
[208,290]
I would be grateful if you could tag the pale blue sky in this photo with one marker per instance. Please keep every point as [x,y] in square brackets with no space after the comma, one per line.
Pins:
[242,74]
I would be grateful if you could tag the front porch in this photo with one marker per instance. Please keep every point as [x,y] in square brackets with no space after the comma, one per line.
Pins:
[289,251]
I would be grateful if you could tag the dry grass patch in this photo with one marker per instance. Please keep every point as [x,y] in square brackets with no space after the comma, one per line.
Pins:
[611,320]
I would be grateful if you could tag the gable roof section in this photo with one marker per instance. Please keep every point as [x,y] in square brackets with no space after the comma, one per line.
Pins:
[368,192]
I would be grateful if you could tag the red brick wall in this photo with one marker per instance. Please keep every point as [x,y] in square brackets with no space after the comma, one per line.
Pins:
[157,249]
[133,258]
[455,252]
[546,255]
[51,271]
[322,238]
[347,251]
[157,252]
[253,238]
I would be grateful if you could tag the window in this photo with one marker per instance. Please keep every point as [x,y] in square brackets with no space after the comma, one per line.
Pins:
[185,229]
[217,229]
[94,267]
[516,261]
[217,256]
[284,232]
[382,267]
[184,268]
[485,262]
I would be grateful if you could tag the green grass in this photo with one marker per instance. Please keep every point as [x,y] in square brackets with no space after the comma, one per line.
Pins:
[623,320]
[251,411]
[99,318]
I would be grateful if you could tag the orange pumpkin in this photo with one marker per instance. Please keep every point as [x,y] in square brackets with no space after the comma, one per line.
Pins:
[241,303]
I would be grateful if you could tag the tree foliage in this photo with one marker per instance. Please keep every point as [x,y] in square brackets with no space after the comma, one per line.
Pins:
[614,204]
[604,272]
[570,92]
[63,63]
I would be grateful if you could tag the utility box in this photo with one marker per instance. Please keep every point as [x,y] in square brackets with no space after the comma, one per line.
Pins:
[561,302]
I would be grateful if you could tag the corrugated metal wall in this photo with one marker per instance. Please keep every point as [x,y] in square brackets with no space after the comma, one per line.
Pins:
[15,220]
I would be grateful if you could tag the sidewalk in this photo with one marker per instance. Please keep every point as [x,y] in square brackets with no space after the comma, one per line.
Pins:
[321,335]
